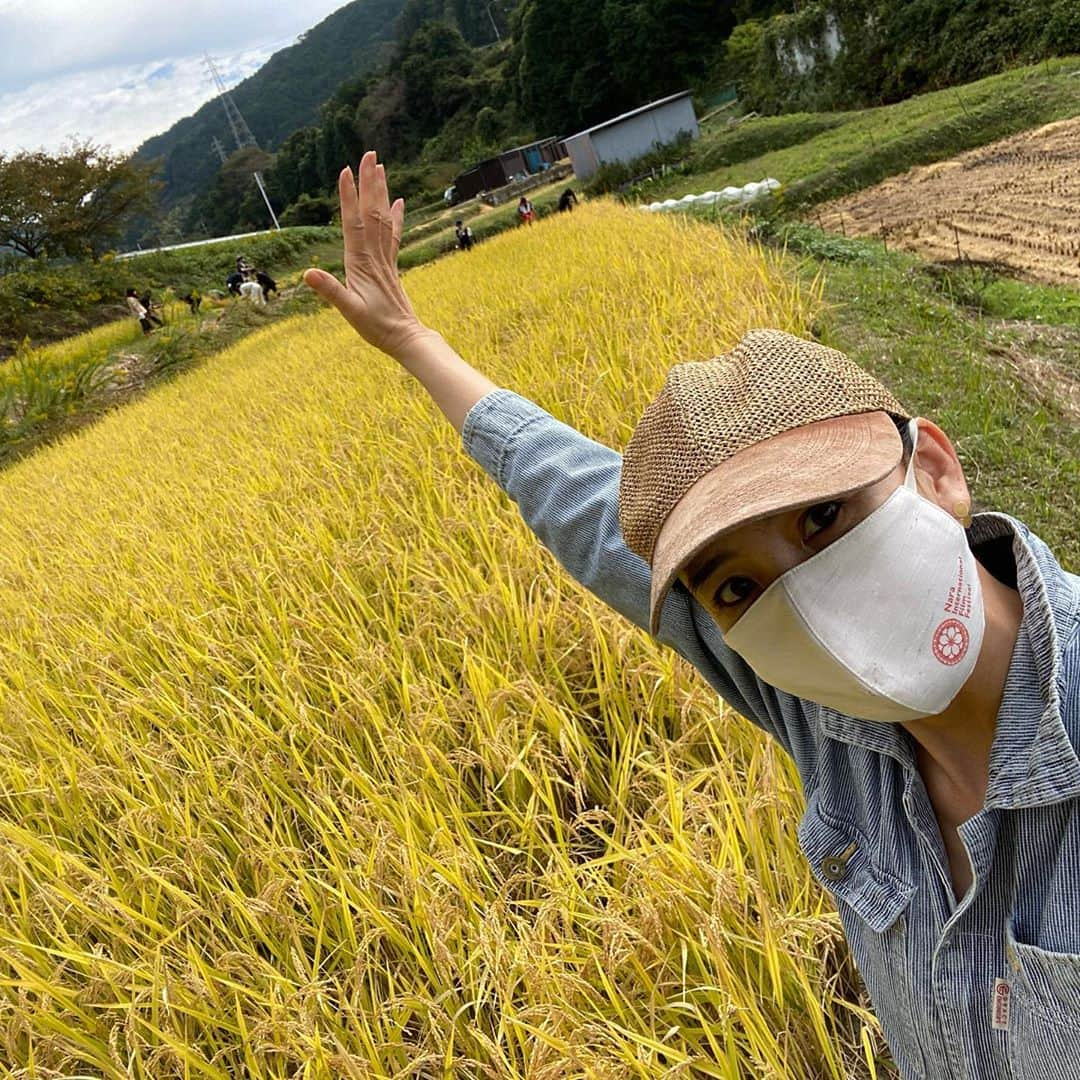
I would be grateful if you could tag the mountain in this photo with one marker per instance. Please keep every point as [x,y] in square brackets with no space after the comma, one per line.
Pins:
[283,95]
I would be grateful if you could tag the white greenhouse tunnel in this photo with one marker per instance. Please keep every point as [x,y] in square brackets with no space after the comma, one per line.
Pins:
[730,194]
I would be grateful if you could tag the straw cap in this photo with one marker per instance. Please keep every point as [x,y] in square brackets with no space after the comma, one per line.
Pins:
[777,423]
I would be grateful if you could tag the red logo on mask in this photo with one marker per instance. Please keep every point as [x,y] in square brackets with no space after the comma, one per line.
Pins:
[951,642]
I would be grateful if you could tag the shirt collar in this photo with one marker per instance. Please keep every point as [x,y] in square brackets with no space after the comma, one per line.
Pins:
[1032,760]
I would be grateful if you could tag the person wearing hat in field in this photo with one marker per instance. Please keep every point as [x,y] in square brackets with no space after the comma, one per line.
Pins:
[782,521]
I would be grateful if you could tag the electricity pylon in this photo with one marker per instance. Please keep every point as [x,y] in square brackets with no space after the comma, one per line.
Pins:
[241,132]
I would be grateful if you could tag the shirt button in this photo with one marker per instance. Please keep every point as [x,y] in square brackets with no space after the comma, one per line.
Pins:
[834,868]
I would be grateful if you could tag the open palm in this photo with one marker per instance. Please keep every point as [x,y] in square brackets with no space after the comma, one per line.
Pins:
[372,299]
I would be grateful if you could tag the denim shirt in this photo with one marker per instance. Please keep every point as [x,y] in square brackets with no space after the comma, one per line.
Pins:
[987,986]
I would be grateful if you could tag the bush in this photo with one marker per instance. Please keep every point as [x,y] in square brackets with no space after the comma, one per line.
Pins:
[310,210]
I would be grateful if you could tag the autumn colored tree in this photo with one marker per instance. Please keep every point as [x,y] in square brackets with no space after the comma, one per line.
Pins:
[75,202]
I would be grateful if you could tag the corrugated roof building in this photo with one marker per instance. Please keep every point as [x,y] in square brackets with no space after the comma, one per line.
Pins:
[633,134]
[501,170]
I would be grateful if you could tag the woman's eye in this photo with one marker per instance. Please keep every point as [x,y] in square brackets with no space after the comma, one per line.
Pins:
[820,517]
[734,591]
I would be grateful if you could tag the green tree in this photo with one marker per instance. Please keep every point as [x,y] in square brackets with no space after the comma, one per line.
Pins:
[233,199]
[565,80]
[310,211]
[435,66]
[75,202]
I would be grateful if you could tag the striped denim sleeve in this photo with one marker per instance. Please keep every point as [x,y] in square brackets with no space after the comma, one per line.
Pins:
[566,487]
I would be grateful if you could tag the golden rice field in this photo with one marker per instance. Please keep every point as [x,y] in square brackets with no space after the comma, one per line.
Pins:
[315,764]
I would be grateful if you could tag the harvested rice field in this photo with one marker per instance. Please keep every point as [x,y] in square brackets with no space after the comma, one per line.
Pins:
[1012,204]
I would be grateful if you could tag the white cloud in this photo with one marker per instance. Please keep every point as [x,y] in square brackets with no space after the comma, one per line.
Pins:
[58,37]
[121,72]
[117,106]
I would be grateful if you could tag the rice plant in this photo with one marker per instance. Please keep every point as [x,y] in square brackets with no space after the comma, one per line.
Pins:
[313,763]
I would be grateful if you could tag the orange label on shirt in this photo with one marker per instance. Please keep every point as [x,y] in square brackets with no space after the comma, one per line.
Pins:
[999,1005]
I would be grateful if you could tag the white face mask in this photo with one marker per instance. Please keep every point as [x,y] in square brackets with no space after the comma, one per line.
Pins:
[886,623]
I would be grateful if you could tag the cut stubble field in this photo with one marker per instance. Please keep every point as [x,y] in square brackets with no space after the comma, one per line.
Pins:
[1012,204]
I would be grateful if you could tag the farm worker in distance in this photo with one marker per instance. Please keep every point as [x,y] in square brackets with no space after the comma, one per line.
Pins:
[136,309]
[526,213]
[567,200]
[266,283]
[464,235]
[782,522]
[147,302]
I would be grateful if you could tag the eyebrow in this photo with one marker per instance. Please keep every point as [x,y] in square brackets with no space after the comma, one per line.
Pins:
[702,574]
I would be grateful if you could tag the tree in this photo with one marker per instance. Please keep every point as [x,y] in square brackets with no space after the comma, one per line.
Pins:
[233,200]
[74,202]
[310,211]
[435,66]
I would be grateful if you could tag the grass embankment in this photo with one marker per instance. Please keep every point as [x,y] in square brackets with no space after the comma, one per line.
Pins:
[45,302]
[821,156]
[47,393]
[312,759]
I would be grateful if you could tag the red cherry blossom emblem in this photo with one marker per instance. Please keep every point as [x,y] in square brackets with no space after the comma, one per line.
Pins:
[951,642]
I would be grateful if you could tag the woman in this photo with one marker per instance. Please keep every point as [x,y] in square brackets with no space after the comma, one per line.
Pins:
[808,547]
[526,213]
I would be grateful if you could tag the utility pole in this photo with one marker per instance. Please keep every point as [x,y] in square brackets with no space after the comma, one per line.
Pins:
[215,142]
[240,131]
[494,25]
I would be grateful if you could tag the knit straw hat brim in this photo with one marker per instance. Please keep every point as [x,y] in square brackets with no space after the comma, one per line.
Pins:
[796,468]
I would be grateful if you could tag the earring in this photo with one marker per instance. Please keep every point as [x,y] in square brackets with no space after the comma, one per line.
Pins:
[962,510]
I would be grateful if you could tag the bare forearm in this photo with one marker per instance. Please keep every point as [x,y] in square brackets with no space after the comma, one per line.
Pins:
[454,385]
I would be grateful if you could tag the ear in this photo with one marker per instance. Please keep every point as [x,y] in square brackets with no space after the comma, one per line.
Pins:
[938,471]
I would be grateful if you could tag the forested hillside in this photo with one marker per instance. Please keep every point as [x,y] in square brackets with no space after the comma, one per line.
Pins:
[284,94]
[453,81]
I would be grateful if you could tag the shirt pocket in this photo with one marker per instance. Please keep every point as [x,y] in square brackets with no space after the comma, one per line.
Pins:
[843,861]
[872,901]
[1044,1011]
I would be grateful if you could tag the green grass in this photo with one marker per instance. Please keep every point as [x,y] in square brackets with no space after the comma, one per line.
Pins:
[837,153]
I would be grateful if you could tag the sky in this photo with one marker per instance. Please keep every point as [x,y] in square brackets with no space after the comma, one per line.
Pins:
[118,73]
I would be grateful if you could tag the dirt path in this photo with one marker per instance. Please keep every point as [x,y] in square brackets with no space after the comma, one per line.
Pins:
[1014,203]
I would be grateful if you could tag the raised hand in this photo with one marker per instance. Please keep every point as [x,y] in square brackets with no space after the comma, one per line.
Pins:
[372,299]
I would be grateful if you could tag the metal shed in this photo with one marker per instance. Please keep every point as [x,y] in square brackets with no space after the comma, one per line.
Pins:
[497,171]
[632,134]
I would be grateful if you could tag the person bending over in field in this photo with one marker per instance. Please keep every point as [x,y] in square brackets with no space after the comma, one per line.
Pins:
[266,283]
[782,522]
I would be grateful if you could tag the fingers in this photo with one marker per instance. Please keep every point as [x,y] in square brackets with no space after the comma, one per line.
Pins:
[369,175]
[397,221]
[328,287]
[365,205]
[347,198]
[380,193]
